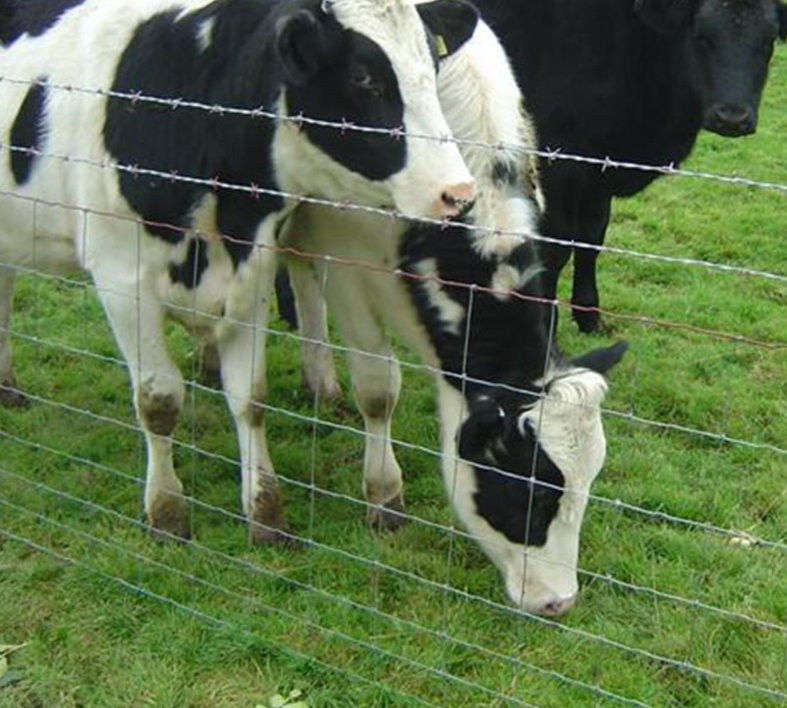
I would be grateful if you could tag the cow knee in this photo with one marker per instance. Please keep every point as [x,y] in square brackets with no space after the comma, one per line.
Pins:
[377,405]
[159,410]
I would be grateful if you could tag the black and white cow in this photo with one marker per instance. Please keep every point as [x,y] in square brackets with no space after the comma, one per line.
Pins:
[371,62]
[511,407]
[633,80]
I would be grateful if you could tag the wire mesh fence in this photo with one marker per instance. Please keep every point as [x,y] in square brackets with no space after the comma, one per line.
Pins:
[682,589]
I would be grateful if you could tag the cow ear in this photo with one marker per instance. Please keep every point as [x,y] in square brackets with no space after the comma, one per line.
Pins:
[300,45]
[452,22]
[666,16]
[602,360]
[781,9]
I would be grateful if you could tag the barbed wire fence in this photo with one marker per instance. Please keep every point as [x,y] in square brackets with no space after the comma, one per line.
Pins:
[410,616]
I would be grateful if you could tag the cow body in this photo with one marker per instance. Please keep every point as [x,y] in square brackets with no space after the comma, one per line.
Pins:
[522,438]
[635,81]
[176,211]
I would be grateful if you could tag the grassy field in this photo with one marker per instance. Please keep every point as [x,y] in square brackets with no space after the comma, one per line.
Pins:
[359,621]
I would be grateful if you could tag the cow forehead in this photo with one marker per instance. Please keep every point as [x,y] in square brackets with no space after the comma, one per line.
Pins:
[396,27]
[738,10]
[568,425]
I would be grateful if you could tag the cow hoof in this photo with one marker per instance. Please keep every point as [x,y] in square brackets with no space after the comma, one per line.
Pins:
[270,537]
[588,321]
[168,519]
[325,391]
[388,517]
[12,397]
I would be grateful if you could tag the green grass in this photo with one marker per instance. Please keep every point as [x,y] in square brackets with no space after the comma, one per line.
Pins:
[223,625]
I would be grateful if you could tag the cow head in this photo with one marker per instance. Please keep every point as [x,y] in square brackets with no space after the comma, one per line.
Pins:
[373,63]
[534,458]
[729,45]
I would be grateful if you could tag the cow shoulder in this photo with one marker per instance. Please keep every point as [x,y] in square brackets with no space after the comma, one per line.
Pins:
[201,57]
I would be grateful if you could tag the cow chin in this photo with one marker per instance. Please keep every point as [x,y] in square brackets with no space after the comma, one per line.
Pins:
[543,581]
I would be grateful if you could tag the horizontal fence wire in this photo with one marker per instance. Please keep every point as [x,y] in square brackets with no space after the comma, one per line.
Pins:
[254,190]
[686,666]
[259,570]
[456,592]
[315,421]
[399,133]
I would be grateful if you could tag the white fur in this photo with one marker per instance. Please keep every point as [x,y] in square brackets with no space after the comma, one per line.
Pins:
[450,312]
[205,35]
[481,102]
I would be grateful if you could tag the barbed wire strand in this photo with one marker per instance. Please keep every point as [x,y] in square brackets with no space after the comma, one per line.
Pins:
[216,184]
[398,133]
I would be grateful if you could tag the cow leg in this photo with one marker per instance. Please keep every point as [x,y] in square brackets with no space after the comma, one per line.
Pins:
[209,365]
[554,258]
[138,325]
[9,396]
[585,288]
[242,352]
[285,300]
[319,371]
[376,383]
[376,380]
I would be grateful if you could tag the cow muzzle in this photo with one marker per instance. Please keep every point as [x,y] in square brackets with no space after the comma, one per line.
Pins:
[731,120]
[457,200]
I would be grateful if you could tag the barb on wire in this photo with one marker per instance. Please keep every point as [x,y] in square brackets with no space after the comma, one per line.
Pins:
[375,267]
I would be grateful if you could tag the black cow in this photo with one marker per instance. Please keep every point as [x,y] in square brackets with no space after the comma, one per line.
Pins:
[633,80]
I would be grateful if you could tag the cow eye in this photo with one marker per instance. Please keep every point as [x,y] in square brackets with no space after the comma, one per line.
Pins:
[362,79]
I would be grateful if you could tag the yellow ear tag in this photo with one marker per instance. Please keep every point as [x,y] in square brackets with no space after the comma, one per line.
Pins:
[442,47]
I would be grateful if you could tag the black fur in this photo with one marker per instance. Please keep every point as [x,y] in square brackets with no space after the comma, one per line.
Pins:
[508,340]
[190,272]
[28,131]
[453,21]
[164,60]
[633,80]
[503,345]
[31,17]
[375,156]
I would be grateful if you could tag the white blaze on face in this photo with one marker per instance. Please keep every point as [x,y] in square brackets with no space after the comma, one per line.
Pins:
[434,166]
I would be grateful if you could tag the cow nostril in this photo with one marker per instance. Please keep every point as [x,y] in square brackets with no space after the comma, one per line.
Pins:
[457,206]
[733,118]
[559,606]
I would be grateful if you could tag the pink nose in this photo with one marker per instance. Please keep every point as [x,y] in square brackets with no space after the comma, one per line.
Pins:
[458,199]
[558,606]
